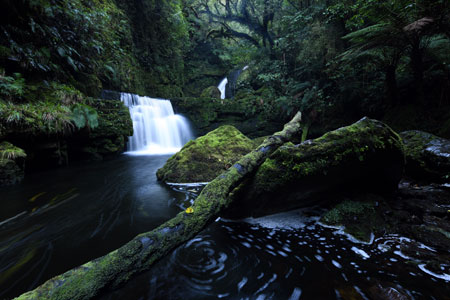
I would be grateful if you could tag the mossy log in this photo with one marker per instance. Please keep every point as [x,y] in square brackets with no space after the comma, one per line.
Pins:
[117,267]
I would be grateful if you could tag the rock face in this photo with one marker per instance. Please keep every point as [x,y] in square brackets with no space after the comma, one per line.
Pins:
[427,156]
[109,138]
[207,157]
[246,114]
[365,156]
[12,164]
[211,92]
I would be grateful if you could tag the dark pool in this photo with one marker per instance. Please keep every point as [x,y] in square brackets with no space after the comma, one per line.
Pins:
[92,209]
[60,219]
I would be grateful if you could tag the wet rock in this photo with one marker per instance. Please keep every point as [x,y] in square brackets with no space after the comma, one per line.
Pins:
[366,156]
[427,156]
[206,157]
[360,219]
[387,292]
[12,164]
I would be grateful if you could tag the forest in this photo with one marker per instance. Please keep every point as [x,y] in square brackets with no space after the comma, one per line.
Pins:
[327,118]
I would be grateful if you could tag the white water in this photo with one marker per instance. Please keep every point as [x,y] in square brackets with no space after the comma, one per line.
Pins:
[157,129]
[222,86]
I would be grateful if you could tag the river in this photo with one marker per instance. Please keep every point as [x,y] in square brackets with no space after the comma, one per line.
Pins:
[66,217]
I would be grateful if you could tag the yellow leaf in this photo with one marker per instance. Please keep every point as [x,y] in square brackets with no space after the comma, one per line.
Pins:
[37,196]
[189,210]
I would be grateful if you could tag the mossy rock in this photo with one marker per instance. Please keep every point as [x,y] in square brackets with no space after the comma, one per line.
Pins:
[211,92]
[366,156]
[427,156]
[12,164]
[359,218]
[208,156]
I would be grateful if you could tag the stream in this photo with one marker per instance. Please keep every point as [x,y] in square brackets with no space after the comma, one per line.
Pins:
[59,219]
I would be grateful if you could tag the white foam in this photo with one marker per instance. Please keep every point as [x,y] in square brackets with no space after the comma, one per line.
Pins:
[444,276]
[360,252]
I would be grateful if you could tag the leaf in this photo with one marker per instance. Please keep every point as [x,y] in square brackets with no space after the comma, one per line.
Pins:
[61,52]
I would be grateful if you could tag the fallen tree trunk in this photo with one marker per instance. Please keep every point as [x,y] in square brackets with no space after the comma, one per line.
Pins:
[117,267]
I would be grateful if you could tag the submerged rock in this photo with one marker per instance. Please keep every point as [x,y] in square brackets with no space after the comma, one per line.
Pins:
[206,157]
[427,156]
[12,164]
[366,156]
[359,218]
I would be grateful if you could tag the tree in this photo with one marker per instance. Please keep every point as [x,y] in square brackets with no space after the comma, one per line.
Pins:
[391,29]
[250,20]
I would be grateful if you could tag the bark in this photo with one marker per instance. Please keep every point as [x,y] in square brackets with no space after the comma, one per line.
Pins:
[138,255]
[391,84]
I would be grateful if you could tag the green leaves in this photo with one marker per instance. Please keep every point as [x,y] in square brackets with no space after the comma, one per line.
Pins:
[84,116]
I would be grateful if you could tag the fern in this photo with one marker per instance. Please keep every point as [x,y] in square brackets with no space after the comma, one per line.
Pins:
[9,151]
[84,116]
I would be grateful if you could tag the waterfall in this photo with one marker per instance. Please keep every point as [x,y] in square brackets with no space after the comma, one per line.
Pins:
[157,129]
[222,86]
[231,82]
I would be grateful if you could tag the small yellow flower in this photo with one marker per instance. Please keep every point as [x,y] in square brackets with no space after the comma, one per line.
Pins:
[189,210]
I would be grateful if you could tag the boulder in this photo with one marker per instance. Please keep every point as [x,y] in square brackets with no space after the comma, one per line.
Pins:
[427,156]
[211,92]
[12,164]
[206,157]
[366,156]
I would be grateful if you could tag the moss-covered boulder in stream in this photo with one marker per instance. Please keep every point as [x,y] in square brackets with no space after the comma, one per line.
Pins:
[207,157]
[361,219]
[367,156]
[12,163]
[427,156]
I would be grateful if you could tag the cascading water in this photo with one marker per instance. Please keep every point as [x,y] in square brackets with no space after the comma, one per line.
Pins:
[231,82]
[222,86]
[157,129]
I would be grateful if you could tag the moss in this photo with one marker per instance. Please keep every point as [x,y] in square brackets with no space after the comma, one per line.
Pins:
[360,219]
[211,92]
[356,142]
[367,156]
[427,156]
[206,157]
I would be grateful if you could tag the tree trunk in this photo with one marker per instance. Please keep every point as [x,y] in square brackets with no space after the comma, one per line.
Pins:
[138,255]
[417,68]
[391,84]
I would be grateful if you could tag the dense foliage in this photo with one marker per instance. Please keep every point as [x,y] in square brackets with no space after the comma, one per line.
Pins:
[333,60]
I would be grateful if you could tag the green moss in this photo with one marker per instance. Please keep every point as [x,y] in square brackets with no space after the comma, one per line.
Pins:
[360,219]
[211,92]
[426,155]
[353,143]
[206,157]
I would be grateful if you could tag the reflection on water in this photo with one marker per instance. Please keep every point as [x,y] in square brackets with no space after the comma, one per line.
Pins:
[60,219]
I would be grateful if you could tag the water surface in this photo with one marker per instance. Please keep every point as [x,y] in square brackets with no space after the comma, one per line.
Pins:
[59,219]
